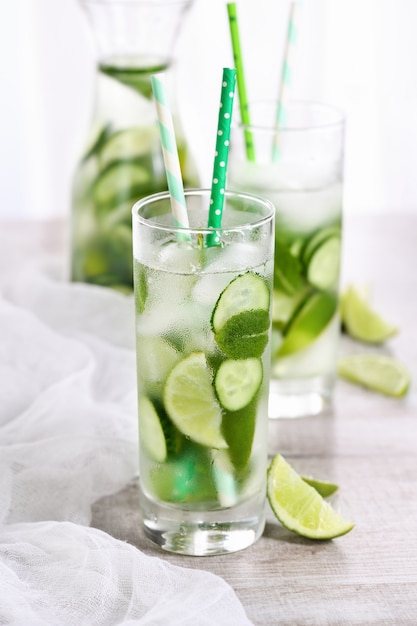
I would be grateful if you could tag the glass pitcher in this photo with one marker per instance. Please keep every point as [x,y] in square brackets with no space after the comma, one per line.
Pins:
[123,160]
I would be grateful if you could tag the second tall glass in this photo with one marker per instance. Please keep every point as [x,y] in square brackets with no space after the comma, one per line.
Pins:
[299,167]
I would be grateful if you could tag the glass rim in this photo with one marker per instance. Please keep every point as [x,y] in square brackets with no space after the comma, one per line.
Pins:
[338,117]
[138,2]
[204,230]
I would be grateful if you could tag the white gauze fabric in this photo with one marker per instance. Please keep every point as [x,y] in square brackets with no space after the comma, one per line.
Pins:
[68,436]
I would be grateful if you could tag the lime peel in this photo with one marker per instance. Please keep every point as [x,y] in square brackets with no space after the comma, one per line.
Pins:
[299,507]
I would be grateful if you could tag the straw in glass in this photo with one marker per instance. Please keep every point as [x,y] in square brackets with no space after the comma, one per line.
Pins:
[221,154]
[241,85]
[170,154]
[286,74]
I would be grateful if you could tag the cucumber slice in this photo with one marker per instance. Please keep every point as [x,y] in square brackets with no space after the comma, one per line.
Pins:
[317,239]
[151,432]
[237,382]
[129,143]
[324,266]
[119,182]
[244,293]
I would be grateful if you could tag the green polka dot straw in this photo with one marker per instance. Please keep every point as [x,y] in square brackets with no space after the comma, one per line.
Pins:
[221,153]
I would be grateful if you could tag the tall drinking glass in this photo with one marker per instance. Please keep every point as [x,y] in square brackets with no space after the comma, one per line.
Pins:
[203,359]
[299,167]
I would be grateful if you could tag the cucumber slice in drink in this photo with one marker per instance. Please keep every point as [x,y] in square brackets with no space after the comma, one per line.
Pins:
[151,432]
[244,293]
[308,323]
[119,182]
[191,403]
[316,240]
[324,265]
[138,78]
[129,143]
[237,382]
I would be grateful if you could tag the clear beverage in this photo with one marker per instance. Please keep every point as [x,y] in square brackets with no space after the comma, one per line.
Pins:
[203,329]
[304,182]
[122,163]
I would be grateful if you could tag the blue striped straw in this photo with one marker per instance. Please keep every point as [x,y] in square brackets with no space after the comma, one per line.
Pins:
[286,74]
[170,153]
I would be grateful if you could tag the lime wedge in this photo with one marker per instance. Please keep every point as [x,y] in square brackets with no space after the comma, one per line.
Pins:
[299,507]
[377,372]
[323,487]
[324,265]
[316,240]
[309,321]
[284,306]
[191,403]
[361,321]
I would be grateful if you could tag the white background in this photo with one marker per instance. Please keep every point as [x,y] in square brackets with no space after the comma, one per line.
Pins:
[358,54]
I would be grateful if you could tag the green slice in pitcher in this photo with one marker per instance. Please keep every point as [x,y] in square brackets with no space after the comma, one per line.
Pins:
[191,403]
[308,322]
[324,264]
[299,507]
[376,372]
[361,321]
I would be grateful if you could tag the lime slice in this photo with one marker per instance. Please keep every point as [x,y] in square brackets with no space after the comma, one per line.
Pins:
[299,507]
[361,321]
[237,382]
[377,372]
[323,487]
[309,321]
[150,430]
[244,293]
[191,403]
[244,335]
[324,266]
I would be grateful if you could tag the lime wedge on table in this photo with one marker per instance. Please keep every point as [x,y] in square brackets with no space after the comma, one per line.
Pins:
[377,372]
[299,507]
[361,321]
[191,403]
[309,321]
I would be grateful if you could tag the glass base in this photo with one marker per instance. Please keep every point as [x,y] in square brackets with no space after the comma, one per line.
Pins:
[300,398]
[203,533]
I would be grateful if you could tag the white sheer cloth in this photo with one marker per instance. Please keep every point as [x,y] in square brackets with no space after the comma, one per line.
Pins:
[68,436]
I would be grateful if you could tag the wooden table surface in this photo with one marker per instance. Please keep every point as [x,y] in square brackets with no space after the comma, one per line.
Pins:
[367,444]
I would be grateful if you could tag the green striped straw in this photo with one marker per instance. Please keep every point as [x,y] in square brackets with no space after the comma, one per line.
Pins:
[221,154]
[241,86]
[170,154]
[286,74]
